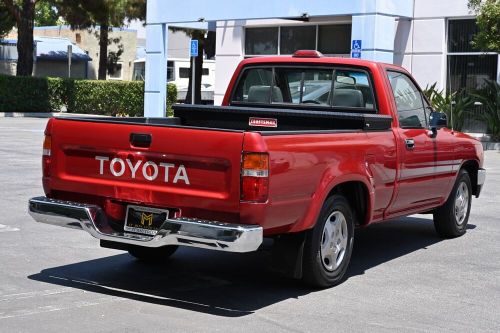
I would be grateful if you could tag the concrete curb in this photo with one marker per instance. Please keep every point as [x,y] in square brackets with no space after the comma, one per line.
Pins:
[491,145]
[45,115]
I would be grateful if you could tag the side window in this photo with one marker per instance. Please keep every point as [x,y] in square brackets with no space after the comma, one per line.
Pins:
[352,89]
[254,86]
[409,101]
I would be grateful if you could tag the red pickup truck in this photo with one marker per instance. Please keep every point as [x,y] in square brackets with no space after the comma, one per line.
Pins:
[304,150]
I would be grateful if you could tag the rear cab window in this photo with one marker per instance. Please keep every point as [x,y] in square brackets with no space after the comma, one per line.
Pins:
[349,89]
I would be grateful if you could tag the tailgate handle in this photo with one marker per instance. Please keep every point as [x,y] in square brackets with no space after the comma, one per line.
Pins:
[140,140]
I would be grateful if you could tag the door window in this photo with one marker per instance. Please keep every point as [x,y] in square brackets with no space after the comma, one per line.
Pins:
[409,101]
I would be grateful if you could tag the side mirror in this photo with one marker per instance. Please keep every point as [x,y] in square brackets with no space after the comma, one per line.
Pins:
[437,120]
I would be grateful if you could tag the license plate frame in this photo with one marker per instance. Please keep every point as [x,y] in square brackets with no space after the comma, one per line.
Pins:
[144,220]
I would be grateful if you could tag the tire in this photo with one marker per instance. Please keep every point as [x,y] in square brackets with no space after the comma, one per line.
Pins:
[325,265]
[151,254]
[450,220]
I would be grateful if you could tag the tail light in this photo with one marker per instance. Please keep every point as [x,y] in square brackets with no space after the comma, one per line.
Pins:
[47,150]
[254,177]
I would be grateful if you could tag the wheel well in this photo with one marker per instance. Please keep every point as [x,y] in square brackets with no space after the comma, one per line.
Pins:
[472,167]
[357,195]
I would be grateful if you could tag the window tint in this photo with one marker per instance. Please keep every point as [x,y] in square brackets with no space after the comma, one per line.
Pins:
[472,71]
[254,86]
[297,38]
[409,102]
[334,39]
[460,35]
[261,41]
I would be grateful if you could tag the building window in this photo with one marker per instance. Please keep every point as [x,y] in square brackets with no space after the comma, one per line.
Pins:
[78,38]
[334,39]
[117,74]
[170,71]
[184,72]
[469,72]
[297,38]
[468,67]
[261,41]
[329,39]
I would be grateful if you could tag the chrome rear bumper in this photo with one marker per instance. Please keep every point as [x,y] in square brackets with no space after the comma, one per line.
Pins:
[177,231]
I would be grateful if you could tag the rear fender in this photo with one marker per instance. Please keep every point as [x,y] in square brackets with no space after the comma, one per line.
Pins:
[327,185]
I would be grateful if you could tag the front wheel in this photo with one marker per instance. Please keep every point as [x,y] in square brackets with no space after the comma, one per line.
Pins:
[328,246]
[450,220]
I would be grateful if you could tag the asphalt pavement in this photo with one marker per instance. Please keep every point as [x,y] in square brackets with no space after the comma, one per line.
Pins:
[402,276]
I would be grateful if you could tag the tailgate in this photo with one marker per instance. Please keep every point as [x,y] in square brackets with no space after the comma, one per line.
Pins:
[181,168]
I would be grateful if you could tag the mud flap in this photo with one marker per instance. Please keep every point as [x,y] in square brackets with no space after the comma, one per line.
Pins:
[287,252]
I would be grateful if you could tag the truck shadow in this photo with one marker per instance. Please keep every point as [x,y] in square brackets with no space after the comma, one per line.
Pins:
[228,284]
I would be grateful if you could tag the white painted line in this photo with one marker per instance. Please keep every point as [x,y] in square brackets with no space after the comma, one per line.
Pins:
[14,297]
[6,228]
[52,308]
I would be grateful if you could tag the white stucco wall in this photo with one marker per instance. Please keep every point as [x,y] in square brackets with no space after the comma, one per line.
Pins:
[411,33]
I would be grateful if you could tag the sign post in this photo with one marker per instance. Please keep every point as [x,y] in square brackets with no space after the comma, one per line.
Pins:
[70,55]
[194,54]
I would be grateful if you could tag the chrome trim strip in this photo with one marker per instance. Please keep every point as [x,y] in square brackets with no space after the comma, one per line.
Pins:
[174,231]
[481,176]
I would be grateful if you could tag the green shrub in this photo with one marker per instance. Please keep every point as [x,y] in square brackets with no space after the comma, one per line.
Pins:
[24,94]
[489,97]
[30,94]
[461,103]
[105,97]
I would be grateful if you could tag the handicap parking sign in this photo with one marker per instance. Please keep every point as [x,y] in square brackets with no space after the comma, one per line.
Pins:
[356,44]
[356,54]
[194,48]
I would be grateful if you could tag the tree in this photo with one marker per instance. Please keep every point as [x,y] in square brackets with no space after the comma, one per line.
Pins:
[488,22]
[45,14]
[6,21]
[23,13]
[104,14]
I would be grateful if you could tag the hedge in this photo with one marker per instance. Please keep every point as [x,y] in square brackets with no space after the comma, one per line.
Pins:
[112,98]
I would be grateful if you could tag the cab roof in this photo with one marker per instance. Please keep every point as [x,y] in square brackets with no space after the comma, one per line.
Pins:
[321,60]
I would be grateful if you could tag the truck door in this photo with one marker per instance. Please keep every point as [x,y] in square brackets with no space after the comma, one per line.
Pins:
[416,187]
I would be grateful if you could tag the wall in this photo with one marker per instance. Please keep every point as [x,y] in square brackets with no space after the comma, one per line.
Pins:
[421,45]
[53,68]
[230,45]
[8,67]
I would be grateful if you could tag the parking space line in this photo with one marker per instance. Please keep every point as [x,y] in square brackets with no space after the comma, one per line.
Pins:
[6,228]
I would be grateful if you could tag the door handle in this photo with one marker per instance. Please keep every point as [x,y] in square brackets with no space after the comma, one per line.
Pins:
[410,144]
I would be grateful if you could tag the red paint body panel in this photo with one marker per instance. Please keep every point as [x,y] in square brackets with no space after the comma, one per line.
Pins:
[304,167]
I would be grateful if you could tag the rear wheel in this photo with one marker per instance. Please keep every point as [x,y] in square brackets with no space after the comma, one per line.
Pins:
[152,254]
[450,220]
[328,246]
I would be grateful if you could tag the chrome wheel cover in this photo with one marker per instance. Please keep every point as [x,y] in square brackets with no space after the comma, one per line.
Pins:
[334,241]
[461,203]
